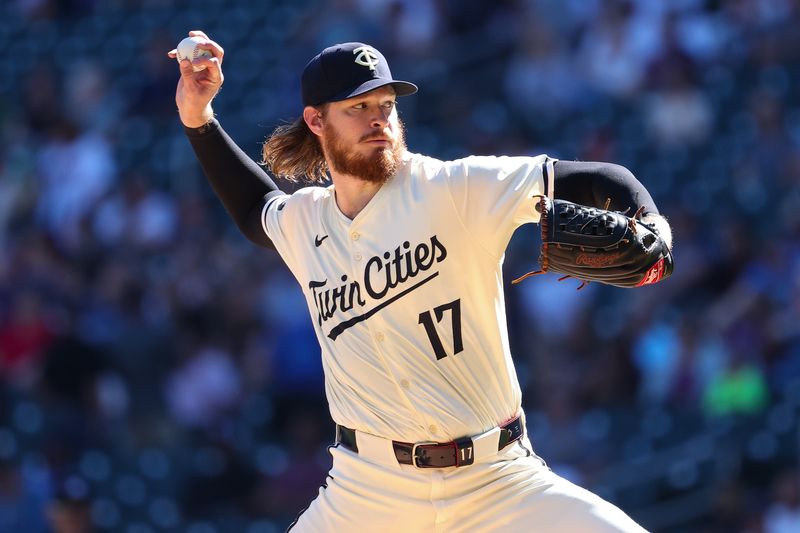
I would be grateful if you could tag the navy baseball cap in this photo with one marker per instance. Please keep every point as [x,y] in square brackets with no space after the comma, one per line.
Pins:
[345,70]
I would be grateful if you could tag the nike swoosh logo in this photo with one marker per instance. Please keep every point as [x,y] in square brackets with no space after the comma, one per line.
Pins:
[318,240]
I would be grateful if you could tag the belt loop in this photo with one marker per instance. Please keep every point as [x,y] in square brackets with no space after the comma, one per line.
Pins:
[513,431]
[505,436]
[347,437]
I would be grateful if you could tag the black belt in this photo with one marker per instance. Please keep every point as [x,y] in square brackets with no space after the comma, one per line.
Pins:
[459,452]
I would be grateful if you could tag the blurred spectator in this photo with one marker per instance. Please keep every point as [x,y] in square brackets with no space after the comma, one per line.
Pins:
[700,359]
[678,113]
[298,481]
[136,215]
[653,355]
[24,337]
[614,53]
[70,377]
[22,508]
[40,97]
[89,102]
[218,482]
[783,514]
[69,510]
[295,352]
[76,168]
[740,389]
[203,388]
[540,79]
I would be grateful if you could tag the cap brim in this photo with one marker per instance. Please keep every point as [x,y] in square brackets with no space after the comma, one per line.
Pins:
[402,88]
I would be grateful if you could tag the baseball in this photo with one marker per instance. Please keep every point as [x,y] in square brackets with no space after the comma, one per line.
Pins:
[187,49]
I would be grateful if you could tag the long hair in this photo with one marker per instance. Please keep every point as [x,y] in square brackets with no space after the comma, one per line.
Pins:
[294,153]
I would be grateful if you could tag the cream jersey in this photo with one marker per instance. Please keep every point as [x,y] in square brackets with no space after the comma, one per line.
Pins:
[407,298]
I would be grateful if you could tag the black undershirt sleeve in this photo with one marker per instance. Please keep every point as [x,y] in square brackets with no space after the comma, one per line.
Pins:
[241,185]
[592,183]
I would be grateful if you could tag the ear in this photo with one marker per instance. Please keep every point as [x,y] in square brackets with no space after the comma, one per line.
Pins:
[313,118]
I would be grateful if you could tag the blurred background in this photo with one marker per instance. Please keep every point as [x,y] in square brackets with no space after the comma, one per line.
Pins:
[158,373]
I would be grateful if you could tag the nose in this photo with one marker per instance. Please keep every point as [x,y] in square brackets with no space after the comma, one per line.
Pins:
[379,122]
[380,118]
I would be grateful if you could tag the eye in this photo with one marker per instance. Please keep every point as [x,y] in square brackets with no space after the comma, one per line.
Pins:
[389,105]
[361,105]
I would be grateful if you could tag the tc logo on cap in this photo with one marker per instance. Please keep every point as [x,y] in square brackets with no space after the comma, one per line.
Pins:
[367,57]
[337,74]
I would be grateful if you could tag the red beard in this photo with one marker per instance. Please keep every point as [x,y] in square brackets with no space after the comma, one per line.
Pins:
[376,167]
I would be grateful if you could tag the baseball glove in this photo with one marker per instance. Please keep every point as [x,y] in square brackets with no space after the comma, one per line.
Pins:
[593,244]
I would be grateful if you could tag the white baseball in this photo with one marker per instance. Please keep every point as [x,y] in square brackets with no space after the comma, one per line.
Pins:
[187,49]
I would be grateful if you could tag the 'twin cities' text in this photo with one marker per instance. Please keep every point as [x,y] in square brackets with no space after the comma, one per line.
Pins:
[380,274]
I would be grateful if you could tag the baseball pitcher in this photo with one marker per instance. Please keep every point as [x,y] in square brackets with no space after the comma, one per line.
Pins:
[399,259]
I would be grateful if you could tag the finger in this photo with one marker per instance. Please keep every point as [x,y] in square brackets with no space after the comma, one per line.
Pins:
[186,69]
[213,47]
[172,53]
[212,64]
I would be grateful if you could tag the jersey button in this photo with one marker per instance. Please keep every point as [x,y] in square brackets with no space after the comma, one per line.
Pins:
[433,429]
[355,235]
[404,383]
[357,257]
[379,336]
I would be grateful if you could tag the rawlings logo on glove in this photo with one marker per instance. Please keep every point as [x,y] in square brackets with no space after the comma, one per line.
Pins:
[593,244]
[597,261]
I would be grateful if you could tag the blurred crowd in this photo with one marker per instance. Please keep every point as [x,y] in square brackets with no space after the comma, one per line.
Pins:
[160,373]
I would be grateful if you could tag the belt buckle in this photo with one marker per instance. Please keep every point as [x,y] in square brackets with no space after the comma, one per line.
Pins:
[414,453]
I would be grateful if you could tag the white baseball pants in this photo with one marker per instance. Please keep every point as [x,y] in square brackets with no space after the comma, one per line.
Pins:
[509,491]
